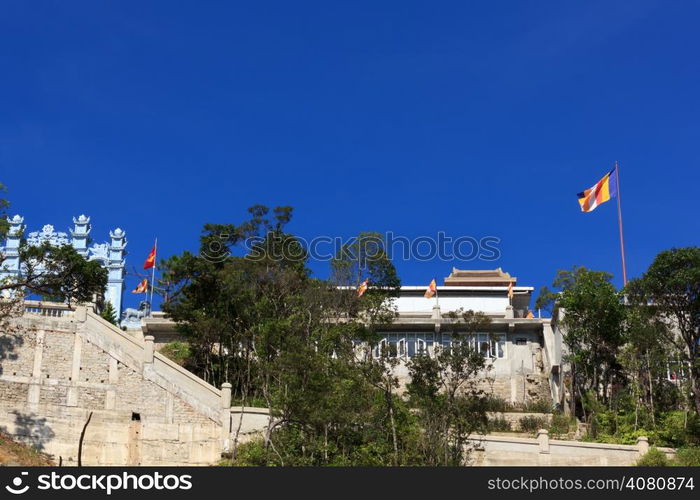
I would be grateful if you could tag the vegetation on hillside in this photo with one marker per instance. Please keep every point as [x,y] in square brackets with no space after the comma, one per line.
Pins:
[633,353]
[254,317]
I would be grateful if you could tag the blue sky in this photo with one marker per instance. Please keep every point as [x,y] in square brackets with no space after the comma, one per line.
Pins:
[414,117]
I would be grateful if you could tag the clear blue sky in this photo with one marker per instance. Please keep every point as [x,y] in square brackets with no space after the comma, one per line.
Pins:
[472,118]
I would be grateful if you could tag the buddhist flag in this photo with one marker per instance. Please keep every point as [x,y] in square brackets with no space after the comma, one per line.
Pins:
[141,288]
[510,290]
[603,190]
[362,288]
[151,259]
[431,290]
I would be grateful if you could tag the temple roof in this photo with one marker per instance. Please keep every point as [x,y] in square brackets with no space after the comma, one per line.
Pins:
[479,277]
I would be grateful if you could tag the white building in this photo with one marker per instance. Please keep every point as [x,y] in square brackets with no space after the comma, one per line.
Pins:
[523,352]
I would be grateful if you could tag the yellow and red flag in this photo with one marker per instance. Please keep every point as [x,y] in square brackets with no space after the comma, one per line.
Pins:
[142,287]
[362,288]
[603,190]
[510,290]
[431,290]
[151,259]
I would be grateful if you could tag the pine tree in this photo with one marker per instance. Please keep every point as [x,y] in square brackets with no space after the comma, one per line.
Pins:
[109,313]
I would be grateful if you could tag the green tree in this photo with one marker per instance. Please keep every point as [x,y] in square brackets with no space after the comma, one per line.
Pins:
[444,389]
[593,330]
[365,257]
[58,273]
[253,316]
[669,292]
[109,313]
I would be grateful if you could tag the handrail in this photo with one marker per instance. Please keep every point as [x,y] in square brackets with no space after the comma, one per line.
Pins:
[194,378]
[563,443]
[205,393]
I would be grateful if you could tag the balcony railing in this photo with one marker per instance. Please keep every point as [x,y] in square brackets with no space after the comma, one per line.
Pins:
[48,309]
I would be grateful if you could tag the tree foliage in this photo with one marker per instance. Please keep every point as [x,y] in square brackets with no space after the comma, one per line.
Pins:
[444,391]
[307,348]
[633,354]
[669,295]
[593,329]
[108,313]
[57,273]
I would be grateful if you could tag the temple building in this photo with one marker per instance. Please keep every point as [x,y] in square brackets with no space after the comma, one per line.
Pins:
[523,353]
[110,254]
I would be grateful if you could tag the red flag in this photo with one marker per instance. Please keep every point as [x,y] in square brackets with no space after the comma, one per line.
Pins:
[431,290]
[142,287]
[151,260]
[362,288]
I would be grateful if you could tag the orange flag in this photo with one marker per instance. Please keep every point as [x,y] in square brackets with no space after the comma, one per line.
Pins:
[142,287]
[362,288]
[530,315]
[431,290]
[151,260]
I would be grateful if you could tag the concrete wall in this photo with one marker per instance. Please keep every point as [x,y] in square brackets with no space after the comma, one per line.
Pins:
[56,369]
[418,303]
[509,451]
[491,450]
[248,423]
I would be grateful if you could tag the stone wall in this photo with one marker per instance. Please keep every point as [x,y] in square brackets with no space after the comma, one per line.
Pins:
[515,451]
[56,372]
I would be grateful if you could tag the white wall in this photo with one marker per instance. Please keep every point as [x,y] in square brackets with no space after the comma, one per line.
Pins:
[421,304]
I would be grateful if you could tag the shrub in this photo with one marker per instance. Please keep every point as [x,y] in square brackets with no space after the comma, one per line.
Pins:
[653,458]
[251,453]
[496,404]
[538,406]
[679,428]
[531,423]
[179,352]
[561,424]
[688,456]
[499,424]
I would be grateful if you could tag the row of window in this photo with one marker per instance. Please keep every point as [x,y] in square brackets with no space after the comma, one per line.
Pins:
[407,345]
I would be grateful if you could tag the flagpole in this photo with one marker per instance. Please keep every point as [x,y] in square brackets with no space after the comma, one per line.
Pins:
[153,273]
[619,223]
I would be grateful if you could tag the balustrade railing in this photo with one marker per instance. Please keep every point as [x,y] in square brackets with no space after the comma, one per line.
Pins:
[48,309]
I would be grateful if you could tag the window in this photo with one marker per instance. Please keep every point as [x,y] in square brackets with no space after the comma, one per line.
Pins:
[401,348]
[421,347]
[490,345]
[446,341]
[381,348]
[407,344]
[485,348]
[498,344]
